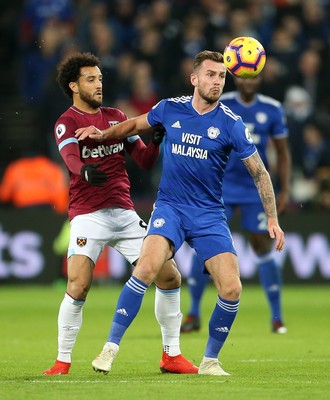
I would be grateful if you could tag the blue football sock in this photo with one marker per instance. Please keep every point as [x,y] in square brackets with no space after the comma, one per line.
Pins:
[270,279]
[128,305]
[220,323]
[197,282]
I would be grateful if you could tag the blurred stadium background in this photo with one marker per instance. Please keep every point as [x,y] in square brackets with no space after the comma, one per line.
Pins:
[146,49]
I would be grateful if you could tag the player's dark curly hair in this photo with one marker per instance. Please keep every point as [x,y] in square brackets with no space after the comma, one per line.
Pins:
[207,55]
[69,69]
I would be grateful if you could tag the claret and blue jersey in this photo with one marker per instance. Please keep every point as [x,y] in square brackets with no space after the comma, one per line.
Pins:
[196,150]
[265,119]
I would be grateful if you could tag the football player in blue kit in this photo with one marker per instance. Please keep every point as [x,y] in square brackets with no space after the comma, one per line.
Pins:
[265,119]
[200,133]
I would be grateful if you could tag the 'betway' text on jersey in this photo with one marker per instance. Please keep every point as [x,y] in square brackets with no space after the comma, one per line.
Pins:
[101,150]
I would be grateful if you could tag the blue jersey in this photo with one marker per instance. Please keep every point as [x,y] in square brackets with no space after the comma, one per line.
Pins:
[265,119]
[196,150]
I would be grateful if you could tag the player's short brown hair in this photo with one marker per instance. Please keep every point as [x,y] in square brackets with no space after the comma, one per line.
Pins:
[207,55]
[69,69]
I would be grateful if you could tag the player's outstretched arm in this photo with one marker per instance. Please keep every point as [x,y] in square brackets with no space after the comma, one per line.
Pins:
[130,127]
[264,185]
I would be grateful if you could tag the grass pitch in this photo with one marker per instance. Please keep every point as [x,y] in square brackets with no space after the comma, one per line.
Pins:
[263,365]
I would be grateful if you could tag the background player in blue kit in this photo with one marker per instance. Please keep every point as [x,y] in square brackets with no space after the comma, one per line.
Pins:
[200,133]
[265,119]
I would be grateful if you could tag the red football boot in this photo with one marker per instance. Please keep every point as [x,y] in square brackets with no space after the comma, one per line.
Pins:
[177,365]
[59,368]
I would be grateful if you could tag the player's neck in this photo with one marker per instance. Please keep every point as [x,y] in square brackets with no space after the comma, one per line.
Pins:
[247,99]
[202,106]
[84,107]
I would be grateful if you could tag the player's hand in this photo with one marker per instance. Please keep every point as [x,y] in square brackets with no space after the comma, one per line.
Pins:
[158,134]
[91,132]
[275,232]
[92,175]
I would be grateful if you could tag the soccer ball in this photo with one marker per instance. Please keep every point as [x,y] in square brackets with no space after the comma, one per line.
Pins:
[244,57]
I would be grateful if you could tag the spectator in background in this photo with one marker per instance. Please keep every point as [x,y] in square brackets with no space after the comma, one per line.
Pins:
[218,16]
[299,111]
[38,13]
[88,12]
[262,15]
[240,24]
[102,44]
[179,83]
[312,187]
[316,150]
[52,104]
[122,21]
[315,25]
[160,12]
[147,49]
[122,85]
[308,75]
[144,88]
[40,61]
[293,25]
[275,79]
[35,181]
[190,41]
[284,49]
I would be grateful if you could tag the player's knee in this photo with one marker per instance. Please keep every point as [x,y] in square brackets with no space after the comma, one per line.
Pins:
[78,290]
[168,278]
[232,291]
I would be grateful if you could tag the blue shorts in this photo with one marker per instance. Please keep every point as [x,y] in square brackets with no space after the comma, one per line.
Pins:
[206,231]
[253,217]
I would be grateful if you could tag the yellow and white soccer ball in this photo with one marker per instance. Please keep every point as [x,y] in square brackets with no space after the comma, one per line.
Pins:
[244,57]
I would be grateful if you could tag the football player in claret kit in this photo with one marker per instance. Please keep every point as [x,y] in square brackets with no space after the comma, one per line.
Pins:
[264,116]
[101,211]
[200,133]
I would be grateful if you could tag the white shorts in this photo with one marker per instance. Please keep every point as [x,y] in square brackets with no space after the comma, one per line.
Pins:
[117,227]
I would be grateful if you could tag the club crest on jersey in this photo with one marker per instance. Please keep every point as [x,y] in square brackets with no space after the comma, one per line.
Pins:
[248,135]
[112,123]
[81,241]
[159,222]
[261,117]
[213,132]
[60,130]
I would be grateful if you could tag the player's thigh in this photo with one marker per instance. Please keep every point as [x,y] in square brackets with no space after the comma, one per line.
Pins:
[130,231]
[166,221]
[88,236]
[211,236]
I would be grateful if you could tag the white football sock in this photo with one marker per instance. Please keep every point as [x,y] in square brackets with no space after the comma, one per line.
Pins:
[69,324]
[169,317]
